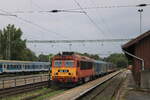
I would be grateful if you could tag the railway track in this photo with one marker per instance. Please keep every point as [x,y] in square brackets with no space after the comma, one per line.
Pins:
[21,89]
[83,90]
[105,91]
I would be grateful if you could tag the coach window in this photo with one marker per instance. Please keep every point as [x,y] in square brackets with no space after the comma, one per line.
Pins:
[57,63]
[0,66]
[69,63]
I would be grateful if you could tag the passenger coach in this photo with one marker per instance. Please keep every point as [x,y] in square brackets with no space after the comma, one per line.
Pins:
[8,66]
[69,67]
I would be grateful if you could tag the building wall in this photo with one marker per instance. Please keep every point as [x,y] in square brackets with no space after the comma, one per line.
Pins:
[142,50]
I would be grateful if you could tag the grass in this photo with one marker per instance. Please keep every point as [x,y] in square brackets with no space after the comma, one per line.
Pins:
[24,95]
[51,94]
[34,93]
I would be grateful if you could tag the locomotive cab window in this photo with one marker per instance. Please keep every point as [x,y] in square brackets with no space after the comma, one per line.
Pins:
[57,63]
[69,63]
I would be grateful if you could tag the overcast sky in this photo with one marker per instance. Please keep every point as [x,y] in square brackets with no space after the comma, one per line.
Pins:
[112,23]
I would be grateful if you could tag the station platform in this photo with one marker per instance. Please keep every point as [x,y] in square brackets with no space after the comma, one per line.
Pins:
[76,92]
[129,91]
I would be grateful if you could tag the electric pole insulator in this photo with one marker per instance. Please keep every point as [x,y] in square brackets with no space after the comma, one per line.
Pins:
[142,5]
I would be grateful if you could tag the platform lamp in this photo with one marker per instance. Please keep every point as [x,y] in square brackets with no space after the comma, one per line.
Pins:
[140,10]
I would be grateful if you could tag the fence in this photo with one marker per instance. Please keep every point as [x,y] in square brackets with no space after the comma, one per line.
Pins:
[22,81]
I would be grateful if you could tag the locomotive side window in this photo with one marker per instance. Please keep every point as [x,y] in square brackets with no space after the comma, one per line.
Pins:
[78,64]
[85,65]
[57,63]
[69,63]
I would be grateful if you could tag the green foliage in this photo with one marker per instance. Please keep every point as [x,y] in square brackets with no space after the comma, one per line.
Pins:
[119,59]
[45,58]
[12,46]
[94,56]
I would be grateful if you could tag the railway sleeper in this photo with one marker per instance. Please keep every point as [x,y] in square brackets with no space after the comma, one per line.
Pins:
[21,89]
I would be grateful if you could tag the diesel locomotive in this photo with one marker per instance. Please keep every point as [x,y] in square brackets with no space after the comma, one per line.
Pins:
[72,68]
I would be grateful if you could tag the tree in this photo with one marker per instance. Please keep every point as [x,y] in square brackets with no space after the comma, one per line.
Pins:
[94,56]
[119,59]
[28,55]
[12,46]
[45,58]
[11,43]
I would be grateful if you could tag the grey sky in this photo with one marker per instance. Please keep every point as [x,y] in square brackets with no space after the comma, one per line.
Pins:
[113,22]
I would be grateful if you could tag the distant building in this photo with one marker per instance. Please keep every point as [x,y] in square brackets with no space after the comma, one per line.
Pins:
[138,52]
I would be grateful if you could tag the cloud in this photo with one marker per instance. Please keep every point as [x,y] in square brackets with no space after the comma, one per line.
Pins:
[112,23]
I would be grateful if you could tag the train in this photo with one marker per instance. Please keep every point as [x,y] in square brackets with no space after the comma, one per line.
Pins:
[72,68]
[10,66]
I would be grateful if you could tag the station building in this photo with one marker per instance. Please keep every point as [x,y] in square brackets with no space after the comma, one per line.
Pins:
[138,53]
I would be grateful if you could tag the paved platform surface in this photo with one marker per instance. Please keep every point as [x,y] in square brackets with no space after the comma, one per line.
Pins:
[75,92]
[129,91]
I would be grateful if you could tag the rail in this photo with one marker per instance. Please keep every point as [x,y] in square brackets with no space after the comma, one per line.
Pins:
[106,90]
[77,92]
[95,86]
[22,89]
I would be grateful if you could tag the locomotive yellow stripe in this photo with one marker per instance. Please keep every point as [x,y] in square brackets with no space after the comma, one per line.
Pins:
[72,72]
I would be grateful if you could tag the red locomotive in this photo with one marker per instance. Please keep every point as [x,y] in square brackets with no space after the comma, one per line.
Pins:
[70,67]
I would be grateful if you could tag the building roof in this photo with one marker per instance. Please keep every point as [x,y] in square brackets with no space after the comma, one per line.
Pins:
[136,40]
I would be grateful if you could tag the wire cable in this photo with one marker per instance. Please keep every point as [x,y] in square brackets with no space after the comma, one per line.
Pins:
[89,18]
[32,23]
[120,6]
[98,13]
[84,8]
[2,14]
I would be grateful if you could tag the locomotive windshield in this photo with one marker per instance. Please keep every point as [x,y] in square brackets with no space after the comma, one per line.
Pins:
[69,63]
[57,63]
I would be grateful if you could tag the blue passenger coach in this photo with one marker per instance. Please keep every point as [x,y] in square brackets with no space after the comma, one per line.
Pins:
[7,66]
[1,68]
[100,67]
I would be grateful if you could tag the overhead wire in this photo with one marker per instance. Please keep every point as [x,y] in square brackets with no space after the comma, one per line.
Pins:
[11,15]
[98,13]
[36,5]
[30,22]
[2,14]
[120,6]
[55,11]
[84,8]
[91,20]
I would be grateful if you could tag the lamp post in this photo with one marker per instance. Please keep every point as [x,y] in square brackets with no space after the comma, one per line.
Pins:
[140,10]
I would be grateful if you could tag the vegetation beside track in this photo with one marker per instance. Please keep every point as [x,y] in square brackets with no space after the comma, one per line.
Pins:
[39,94]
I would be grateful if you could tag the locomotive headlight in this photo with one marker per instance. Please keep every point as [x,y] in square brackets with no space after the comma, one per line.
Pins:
[69,73]
[56,73]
